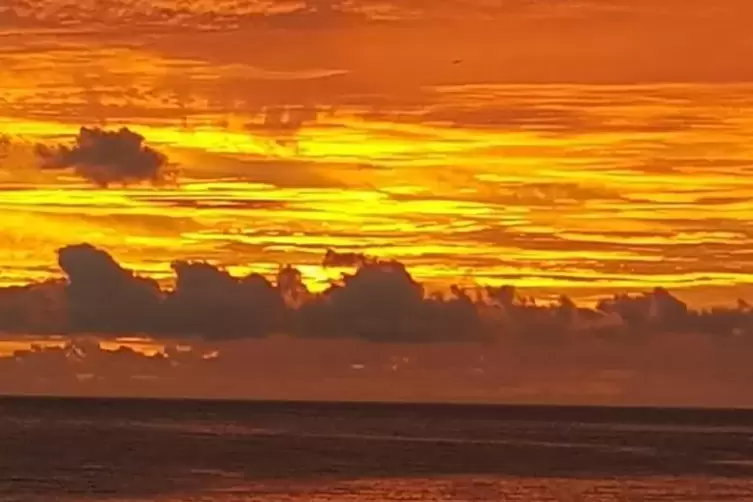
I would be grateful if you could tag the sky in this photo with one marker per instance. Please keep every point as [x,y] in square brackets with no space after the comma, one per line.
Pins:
[577,148]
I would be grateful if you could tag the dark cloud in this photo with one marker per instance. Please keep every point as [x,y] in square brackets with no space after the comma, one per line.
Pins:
[218,337]
[210,303]
[107,157]
[36,308]
[382,302]
[378,301]
[334,259]
[103,297]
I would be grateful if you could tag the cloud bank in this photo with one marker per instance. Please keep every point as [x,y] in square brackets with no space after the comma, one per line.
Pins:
[378,301]
[376,333]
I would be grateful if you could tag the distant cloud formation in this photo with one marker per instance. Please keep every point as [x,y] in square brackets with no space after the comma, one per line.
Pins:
[107,157]
[382,302]
[376,333]
[103,297]
[333,258]
[379,301]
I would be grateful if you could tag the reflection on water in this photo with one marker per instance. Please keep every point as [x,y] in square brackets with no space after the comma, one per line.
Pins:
[264,452]
[492,489]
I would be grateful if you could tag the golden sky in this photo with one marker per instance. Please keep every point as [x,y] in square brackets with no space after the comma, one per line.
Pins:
[579,147]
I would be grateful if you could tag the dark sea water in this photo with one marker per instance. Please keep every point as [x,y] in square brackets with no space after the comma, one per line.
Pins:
[139,450]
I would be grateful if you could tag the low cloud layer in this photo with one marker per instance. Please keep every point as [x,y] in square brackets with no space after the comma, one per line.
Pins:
[377,333]
[107,157]
[663,369]
[379,301]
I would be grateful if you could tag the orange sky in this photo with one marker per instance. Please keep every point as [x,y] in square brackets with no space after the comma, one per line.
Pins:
[576,146]
[583,147]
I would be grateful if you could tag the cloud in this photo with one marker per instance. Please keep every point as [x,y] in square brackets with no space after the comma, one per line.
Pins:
[107,157]
[379,301]
[103,297]
[334,259]
[38,308]
[210,303]
[376,333]
[382,302]
[664,370]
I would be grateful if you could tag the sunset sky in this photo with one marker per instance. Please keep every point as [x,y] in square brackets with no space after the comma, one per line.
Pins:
[579,147]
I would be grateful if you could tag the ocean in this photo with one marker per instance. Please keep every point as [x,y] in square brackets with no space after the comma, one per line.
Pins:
[56,449]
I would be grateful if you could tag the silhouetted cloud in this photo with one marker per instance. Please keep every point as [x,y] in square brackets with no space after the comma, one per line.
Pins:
[209,302]
[333,258]
[103,297]
[382,302]
[379,301]
[213,334]
[35,308]
[106,157]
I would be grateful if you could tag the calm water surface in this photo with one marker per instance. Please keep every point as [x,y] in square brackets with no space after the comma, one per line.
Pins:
[129,450]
